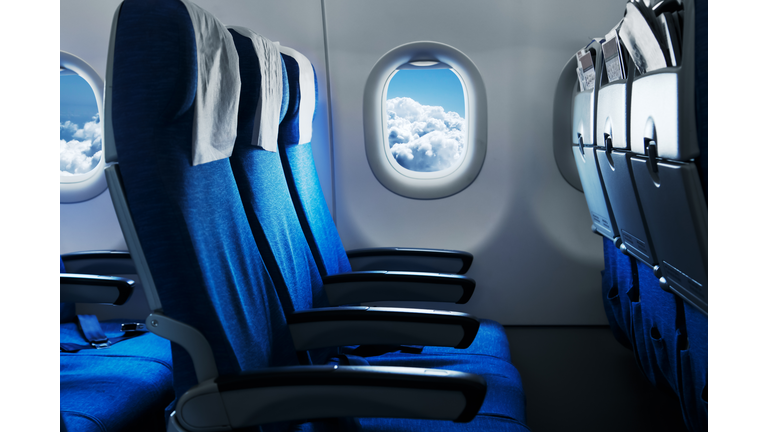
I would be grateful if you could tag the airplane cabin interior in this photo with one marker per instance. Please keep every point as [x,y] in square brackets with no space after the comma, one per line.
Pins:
[335,215]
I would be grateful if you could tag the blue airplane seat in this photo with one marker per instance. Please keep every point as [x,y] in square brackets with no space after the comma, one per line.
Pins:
[490,340]
[234,360]
[658,324]
[617,281]
[642,316]
[281,242]
[262,186]
[315,217]
[638,312]
[125,387]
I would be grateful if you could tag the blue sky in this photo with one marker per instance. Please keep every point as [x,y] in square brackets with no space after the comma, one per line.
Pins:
[434,87]
[77,102]
[79,130]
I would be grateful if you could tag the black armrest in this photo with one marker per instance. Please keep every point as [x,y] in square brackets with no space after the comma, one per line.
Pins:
[410,259]
[313,392]
[368,286]
[362,325]
[81,288]
[102,262]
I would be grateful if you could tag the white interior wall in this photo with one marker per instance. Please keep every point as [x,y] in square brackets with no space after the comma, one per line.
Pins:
[536,260]
[90,225]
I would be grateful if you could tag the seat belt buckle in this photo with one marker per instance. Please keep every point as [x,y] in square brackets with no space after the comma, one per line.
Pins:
[133,327]
[101,344]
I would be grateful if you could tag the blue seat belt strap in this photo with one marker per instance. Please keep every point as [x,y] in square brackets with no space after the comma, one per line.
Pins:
[91,329]
[357,355]
[348,359]
[377,350]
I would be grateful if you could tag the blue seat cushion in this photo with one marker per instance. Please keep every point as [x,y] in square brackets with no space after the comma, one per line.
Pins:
[491,340]
[123,388]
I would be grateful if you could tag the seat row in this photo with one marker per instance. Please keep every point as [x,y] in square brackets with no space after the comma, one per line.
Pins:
[111,378]
[211,175]
[640,146]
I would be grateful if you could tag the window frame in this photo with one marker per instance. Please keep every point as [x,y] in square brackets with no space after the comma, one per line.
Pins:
[83,187]
[398,179]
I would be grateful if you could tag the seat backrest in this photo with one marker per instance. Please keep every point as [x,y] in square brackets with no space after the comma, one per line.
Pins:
[189,219]
[294,144]
[265,195]
[267,201]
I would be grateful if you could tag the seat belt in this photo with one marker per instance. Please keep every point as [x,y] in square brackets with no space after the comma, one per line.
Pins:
[377,350]
[91,328]
[349,360]
[356,356]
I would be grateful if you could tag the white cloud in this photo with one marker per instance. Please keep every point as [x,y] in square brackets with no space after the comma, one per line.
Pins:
[82,153]
[422,137]
[68,126]
[91,130]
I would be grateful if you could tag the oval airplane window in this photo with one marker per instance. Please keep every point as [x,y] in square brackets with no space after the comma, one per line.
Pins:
[81,161]
[425,120]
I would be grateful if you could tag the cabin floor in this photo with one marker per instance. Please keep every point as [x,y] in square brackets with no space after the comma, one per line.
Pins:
[579,378]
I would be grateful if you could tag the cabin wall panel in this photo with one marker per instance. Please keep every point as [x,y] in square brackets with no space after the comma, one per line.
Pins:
[536,260]
[90,225]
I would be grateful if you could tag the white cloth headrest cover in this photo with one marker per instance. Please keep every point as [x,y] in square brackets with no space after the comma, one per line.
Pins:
[218,88]
[267,123]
